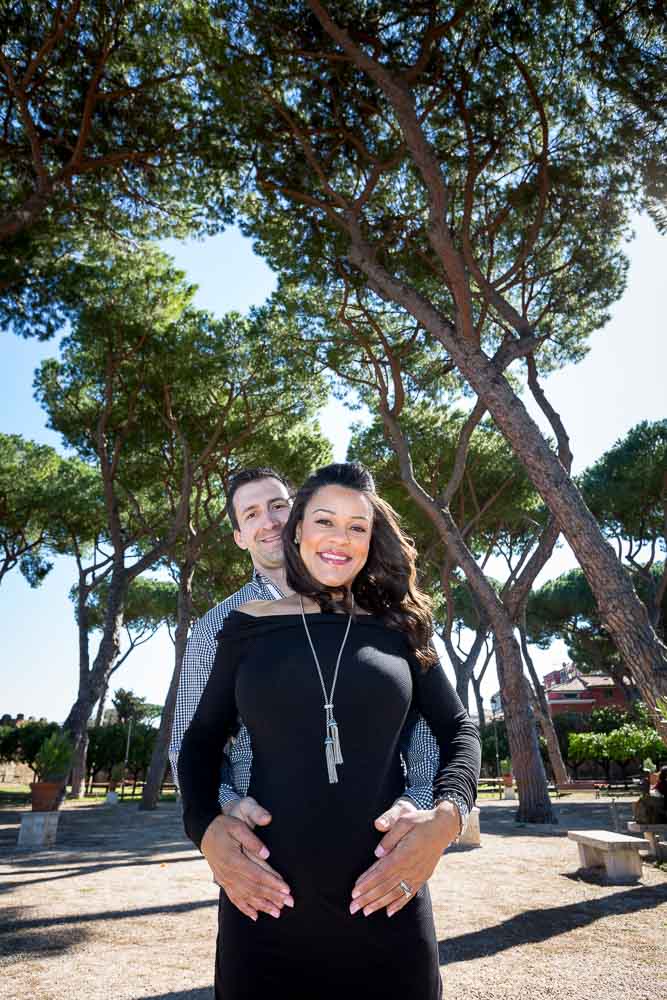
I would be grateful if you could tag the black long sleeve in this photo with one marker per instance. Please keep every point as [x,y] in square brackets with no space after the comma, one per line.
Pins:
[456,734]
[202,750]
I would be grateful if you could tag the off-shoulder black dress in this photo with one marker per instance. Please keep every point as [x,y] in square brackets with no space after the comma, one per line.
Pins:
[321,836]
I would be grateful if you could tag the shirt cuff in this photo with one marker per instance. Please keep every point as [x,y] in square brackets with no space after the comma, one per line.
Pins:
[421,795]
[462,806]
[226,794]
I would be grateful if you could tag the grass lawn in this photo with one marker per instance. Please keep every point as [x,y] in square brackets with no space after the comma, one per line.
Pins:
[14,795]
[19,795]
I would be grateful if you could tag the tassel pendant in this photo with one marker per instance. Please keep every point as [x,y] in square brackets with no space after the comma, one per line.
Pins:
[332,745]
[332,750]
[333,733]
[331,762]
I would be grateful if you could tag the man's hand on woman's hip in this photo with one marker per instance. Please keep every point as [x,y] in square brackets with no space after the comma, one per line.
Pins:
[237,858]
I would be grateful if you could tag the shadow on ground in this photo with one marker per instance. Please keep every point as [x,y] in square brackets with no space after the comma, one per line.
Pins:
[20,942]
[41,923]
[75,870]
[498,818]
[203,993]
[87,827]
[537,925]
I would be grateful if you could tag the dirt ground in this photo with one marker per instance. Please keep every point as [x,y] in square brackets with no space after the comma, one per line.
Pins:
[123,908]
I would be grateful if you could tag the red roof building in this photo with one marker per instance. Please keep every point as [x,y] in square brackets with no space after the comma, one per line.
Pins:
[582,692]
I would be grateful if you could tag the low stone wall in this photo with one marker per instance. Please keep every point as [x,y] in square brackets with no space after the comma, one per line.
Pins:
[13,773]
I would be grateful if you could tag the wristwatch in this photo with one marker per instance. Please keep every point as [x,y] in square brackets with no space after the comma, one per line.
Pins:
[462,806]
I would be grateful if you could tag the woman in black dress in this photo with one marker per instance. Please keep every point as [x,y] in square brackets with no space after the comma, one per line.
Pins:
[325,681]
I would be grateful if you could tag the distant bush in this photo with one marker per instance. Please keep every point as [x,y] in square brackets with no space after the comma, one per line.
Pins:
[625,745]
[23,743]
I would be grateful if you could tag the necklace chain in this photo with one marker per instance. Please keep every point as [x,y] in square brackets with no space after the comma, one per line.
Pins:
[332,750]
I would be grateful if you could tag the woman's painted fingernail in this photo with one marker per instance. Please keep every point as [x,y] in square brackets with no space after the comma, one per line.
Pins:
[354,907]
[379,851]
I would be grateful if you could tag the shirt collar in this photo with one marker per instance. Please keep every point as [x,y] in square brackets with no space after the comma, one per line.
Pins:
[263,581]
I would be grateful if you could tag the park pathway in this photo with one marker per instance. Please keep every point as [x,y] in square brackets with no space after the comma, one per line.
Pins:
[124,909]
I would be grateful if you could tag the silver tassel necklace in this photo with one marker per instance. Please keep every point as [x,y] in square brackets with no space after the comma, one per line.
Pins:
[332,751]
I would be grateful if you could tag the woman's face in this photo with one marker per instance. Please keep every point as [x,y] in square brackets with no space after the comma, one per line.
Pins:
[335,534]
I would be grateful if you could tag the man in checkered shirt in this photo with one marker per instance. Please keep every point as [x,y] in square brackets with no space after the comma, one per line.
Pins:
[258,505]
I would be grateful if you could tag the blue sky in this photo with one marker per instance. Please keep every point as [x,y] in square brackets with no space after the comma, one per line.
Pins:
[619,383]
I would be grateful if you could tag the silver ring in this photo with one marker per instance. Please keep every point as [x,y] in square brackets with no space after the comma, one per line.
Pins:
[405,888]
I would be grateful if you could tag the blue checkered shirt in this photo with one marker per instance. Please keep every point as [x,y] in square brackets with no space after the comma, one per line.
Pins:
[419,750]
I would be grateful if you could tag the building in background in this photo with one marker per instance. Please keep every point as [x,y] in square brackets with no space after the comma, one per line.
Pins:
[20,720]
[569,690]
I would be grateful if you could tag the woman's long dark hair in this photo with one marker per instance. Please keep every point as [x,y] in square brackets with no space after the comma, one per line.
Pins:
[386,586]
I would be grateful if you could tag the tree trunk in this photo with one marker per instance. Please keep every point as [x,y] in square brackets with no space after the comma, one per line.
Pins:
[93,681]
[541,708]
[527,767]
[464,666]
[622,612]
[477,688]
[534,802]
[76,725]
[155,776]
[99,717]
[78,775]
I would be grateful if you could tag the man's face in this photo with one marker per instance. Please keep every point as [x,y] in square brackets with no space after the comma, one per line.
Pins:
[262,508]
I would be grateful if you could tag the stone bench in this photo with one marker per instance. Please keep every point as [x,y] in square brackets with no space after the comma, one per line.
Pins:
[653,833]
[618,853]
[471,836]
[38,829]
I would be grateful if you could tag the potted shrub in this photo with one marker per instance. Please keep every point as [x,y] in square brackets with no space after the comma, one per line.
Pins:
[651,771]
[116,775]
[506,772]
[52,765]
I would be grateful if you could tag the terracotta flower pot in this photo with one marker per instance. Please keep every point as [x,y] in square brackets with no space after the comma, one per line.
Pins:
[653,778]
[45,795]
[508,780]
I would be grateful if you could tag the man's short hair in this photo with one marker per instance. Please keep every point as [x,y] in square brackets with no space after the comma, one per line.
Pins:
[244,477]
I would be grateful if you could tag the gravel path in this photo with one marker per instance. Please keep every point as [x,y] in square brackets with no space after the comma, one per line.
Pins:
[123,909]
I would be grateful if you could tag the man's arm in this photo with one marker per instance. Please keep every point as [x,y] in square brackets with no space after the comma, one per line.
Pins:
[421,756]
[422,759]
[195,671]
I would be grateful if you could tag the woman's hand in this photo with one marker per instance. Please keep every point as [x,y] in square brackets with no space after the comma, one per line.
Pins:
[409,853]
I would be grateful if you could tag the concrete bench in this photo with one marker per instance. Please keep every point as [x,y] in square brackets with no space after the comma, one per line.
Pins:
[618,853]
[653,833]
[471,836]
[38,829]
